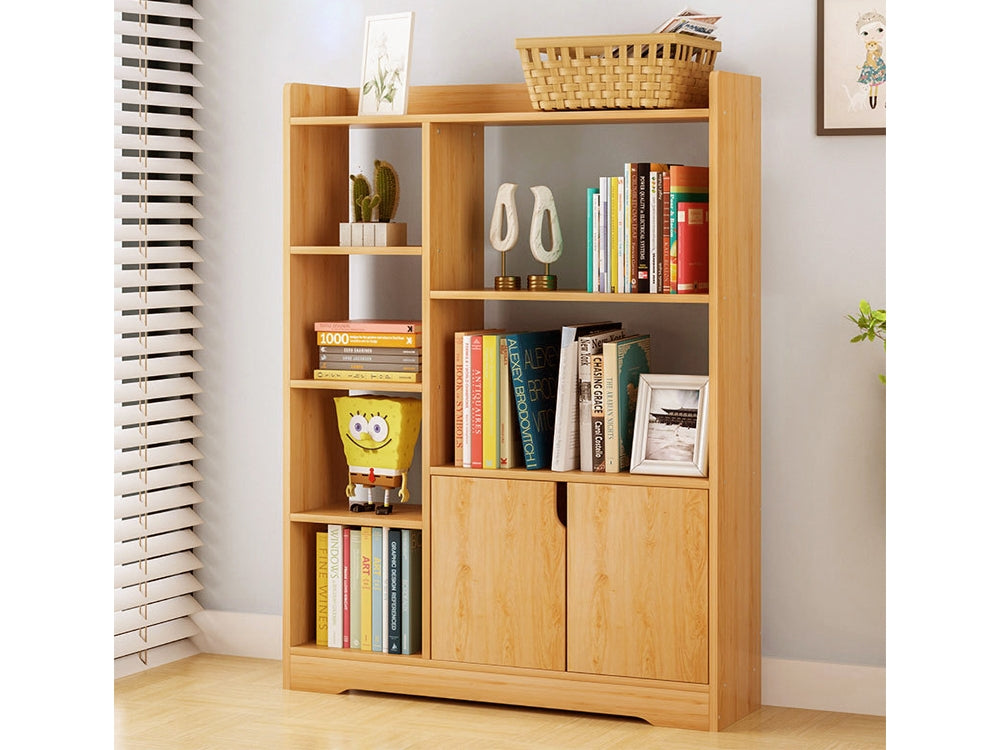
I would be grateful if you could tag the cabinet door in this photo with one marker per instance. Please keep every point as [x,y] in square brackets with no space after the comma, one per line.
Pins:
[498,573]
[637,586]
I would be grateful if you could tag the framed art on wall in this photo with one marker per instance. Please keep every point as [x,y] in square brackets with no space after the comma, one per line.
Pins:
[385,66]
[671,425]
[851,67]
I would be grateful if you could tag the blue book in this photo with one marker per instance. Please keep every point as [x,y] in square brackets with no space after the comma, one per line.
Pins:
[534,374]
[377,588]
[591,192]
[411,591]
[395,635]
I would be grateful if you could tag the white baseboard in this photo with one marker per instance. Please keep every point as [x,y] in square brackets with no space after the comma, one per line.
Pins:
[846,688]
[798,684]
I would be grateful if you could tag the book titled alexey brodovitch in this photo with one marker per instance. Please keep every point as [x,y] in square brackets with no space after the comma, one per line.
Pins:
[534,372]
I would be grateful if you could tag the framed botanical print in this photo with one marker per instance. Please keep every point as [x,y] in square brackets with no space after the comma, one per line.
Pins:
[385,67]
[851,67]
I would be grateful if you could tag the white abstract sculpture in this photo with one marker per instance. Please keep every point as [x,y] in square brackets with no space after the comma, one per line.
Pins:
[504,209]
[544,204]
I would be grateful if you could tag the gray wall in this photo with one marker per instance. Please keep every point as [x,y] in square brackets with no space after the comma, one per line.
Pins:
[823,247]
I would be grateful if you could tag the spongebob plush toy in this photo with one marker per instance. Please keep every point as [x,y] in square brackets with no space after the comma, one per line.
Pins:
[379,435]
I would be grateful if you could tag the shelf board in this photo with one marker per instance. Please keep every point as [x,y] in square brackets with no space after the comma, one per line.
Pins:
[357,385]
[530,117]
[311,649]
[408,516]
[334,250]
[590,477]
[568,295]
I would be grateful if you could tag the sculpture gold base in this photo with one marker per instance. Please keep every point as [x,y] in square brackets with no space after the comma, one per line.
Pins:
[541,282]
[506,283]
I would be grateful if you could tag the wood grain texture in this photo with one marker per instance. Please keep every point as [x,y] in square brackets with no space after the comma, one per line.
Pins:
[734,361]
[498,574]
[637,601]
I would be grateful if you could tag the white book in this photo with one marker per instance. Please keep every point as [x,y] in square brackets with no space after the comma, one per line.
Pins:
[588,345]
[335,586]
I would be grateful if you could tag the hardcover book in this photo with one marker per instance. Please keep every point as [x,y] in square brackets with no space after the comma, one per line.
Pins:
[355,588]
[463,394]
[366,588]
[692,247]
[534,371]
[370,325]
[410,359]
[411,592]
[509,435]
[566,437]
[322,591]
[345,585]
[371,366]
[335,585]
[385,591]
[588,345]
[381,351]
[597,412]
[368,338]
[642,236]
[383,376]
[624,361]
[395,633]
[475,373]
[491,448]
[591,192]
[686,184]
[377,588]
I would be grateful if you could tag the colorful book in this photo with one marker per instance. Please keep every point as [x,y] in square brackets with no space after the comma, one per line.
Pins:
[686,184]
[591,192]
[657,185]
[566,435]
[395,634]
[385,591]
[410,629]
[335,585]
[663,216]
[459,399]
[624,360]
[345,585]
[475,373]
[509,435]
[369,338]
[587,346]
[366,588]
[534,371]
[597,412]
[379,376]
[614,254]
[371,366]
[602,248]
[409,359]
[381,351]
[642,232]
[322,591]
[355,588]
[692,247]
[369,325]
[377,588]
[596,240]
[490,402]
[633,176]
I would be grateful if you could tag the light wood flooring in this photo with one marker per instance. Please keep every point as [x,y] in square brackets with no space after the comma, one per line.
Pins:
[211,702]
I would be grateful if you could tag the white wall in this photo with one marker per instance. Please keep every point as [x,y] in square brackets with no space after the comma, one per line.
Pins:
[823,247]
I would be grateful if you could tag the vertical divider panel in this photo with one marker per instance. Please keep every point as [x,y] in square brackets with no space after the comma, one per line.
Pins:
[734,366]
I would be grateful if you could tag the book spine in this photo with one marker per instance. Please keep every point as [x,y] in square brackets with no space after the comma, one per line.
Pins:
[396,359]
[345,605]
[491,451]
[395,591]
[382,376]
[370,366]
[385,591]
[664,218]
[633,359]
[459,399]
[624,275]
[613,207]
[377,588]
[366,588]
[655,282]
[356,588]
[609,357]
[692,247]
[322,591]
[602,253]
[596,241]
[642,251]
[634,238]
[565,448]
[336,585]
[686,184]
[382,351]
[476,401]
[590,238]
[509,442]
[412,588]
[621,257]
[467,400]
[368,339]
[597,411]
[369,326]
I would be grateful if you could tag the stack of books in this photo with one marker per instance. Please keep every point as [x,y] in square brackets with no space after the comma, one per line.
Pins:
[368,589]
[387,351]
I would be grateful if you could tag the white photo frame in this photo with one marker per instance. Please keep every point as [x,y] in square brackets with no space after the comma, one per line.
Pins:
[385,66]
[671,425]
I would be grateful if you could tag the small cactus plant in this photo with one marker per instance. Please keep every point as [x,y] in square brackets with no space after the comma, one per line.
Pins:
[366,205]
[360,188]
[387,189]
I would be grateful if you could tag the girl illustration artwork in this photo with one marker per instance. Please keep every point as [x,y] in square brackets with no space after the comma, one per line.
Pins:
[871,29]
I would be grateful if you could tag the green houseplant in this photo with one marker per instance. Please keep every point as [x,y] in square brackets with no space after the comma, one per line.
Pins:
[871,325]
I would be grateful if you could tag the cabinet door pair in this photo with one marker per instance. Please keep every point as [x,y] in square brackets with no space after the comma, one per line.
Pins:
[620,589]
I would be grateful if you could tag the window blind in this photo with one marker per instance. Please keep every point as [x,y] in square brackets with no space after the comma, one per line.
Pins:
[155,333]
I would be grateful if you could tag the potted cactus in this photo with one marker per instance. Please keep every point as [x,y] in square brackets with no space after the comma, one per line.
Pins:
[373,211]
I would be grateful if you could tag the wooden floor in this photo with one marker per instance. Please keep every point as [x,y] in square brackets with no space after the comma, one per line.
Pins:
[210,702]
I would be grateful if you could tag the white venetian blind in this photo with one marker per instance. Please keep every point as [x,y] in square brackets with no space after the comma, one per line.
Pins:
[155,325]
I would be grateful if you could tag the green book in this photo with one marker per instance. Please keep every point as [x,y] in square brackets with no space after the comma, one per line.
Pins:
[624,360]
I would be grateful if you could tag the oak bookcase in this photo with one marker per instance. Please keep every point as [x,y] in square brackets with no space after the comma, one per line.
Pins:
[632,594]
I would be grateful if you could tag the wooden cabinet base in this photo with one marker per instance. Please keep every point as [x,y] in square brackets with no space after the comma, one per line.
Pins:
[660,704]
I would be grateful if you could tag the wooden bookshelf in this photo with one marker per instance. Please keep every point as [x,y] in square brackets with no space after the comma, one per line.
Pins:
[650,601]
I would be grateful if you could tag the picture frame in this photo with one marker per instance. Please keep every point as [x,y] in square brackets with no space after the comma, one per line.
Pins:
[671,425]
[850,67]
[385,64]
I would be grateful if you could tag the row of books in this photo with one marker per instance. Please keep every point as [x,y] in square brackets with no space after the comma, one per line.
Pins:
[647,230]
[368,349]
[562,398]
[368,588]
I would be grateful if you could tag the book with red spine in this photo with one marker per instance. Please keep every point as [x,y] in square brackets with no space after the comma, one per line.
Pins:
[692,247]
[686,184]
[369,325]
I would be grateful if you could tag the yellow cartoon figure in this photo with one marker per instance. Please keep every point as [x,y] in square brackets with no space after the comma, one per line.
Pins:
[379,435]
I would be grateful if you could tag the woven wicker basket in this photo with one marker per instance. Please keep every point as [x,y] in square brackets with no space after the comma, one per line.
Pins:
[636,71]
